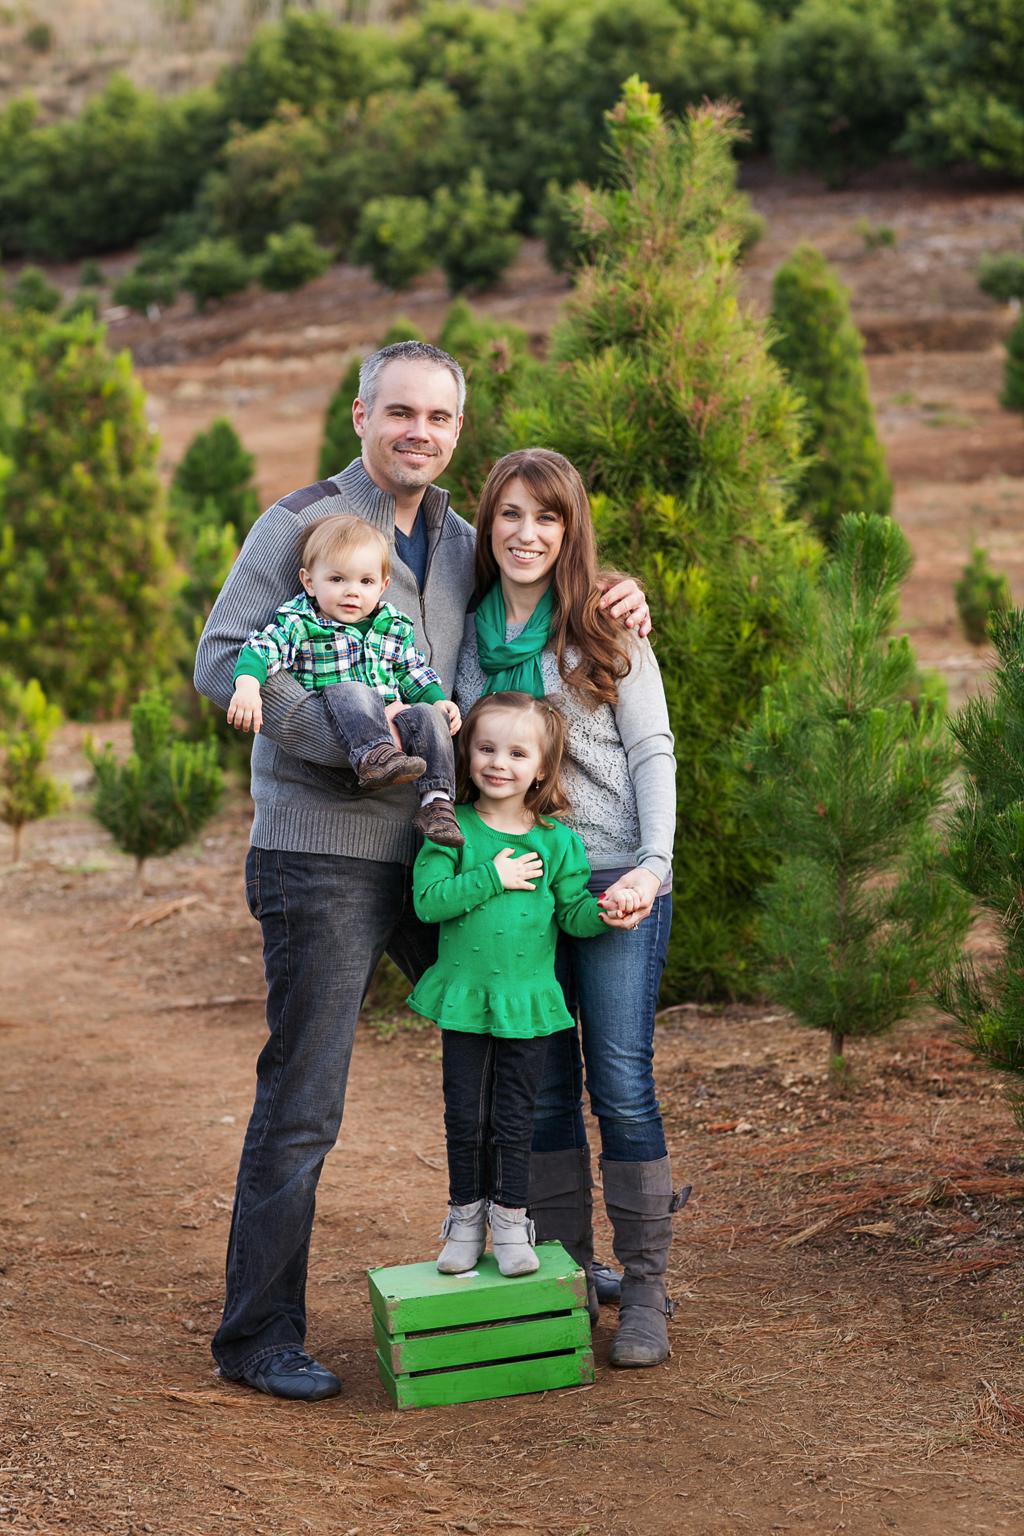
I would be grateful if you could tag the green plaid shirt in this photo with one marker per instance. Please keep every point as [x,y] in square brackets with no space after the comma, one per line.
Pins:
[320,651]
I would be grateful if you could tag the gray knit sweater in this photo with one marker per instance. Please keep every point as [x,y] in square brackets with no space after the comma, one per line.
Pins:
[622,779]
[307,798]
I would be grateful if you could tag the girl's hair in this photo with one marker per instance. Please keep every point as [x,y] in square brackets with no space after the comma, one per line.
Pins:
[546,796]
[577,621]
[329,538]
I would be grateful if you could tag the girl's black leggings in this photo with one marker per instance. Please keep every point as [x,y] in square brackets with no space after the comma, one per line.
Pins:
[490,1088]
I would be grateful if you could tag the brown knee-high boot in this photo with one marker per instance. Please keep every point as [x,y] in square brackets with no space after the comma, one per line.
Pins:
[561,1206]
[640,1201]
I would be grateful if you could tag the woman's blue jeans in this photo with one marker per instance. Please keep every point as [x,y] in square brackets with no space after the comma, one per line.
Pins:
[614,981]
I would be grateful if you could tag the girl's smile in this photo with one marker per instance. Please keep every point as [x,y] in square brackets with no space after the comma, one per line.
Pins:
[505,760]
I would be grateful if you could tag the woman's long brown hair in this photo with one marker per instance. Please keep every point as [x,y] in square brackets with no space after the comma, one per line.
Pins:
[577,621]
[546,795]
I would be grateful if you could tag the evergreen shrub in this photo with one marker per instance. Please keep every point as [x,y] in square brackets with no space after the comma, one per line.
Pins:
[214,269]
[659,387]
[1012,396]
[91,275]
[495,359]
[291,259]
[394,239]
[980,594]
[341,443]
[472,228]
[86,581]
[213,482]
[33,290]
[842,778]
[140,290]
[1002,277]
[82,304]
[166,791]
[969,65]
[820,349]
[28,791]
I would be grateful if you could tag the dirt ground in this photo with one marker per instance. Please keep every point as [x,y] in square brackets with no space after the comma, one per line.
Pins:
[848,1269]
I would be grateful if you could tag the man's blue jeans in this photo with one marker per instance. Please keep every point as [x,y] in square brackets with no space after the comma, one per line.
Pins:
[326,921]
[614,979]
[358,714]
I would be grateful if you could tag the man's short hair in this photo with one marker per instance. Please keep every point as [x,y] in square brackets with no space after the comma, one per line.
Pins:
[330,538]
[406,352]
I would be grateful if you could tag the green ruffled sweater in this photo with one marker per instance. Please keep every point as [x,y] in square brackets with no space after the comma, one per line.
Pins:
[495,973]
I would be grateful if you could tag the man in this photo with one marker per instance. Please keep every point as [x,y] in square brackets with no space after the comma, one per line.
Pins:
[328,874]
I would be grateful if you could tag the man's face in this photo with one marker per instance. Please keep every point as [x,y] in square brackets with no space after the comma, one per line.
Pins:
[410,435]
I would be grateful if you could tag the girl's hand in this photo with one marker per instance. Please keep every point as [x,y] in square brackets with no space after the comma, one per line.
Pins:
[516,872]
[447,707]
[638,889]
[245,711]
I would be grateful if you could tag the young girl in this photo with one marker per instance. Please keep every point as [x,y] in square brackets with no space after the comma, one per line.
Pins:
[500,900]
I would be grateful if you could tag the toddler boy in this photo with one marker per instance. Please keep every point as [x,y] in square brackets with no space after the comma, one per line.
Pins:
[341,640]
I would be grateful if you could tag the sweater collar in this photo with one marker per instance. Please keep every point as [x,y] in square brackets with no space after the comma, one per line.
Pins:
[367,500]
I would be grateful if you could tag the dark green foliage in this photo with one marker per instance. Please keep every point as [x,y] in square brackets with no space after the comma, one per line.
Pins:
[341,444]
[1002,277]
[473,231]
[91,275]
[984,837]
[82,304]
[141,290]
[820,348]
[100,181]
[166,791]
[395,240]
[495,360]
[291,259]
[660,389]
[842,777]
[33,290]
[1012,397]
[214,269]
[85,572]
[28,791]
[970,68]
[213,482]
[839,81]
[39,37]
[980,595]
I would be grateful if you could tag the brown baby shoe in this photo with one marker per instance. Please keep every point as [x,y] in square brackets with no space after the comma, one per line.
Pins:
[437,821]
[385,765]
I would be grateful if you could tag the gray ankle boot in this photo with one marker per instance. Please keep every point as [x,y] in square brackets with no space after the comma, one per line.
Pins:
[561,1204]
[465,1227]
[512,1240]
[639,1200]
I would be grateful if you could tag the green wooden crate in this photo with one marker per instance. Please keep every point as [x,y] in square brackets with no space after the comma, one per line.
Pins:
[462,1338]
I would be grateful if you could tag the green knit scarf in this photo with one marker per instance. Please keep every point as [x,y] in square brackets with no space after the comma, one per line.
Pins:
[513,665]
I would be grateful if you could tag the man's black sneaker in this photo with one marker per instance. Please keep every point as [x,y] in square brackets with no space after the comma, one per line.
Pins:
[607,1283]
[294,1374]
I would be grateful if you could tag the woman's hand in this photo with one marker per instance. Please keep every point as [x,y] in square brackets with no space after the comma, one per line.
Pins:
[628,901]
[627,601]
[515,874]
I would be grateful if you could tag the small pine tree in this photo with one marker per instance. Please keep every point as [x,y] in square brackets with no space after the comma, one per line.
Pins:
[820,348]
[291,259]
[984,838]
[28,792]
[341,444]
[473,231]
[494,357]
[842,778]
[164,793]
[33,290]
[1012,397]
[394,239]
[980,593]
[213,481]
[86,578]
[659,388]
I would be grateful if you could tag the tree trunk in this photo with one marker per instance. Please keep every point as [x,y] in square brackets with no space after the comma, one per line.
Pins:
[139,863]
[16,855]
[836,1062]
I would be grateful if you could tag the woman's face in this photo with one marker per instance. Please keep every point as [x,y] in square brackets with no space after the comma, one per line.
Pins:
[526,538]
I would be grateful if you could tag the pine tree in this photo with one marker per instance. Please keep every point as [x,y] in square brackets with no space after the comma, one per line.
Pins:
[979,594]
[842,778]
[164,793]
[820,348]
[660,389]
[86,580]
[984,837]
[1012,397]
[28,791]
[213,482]
[341,444]
[495,359]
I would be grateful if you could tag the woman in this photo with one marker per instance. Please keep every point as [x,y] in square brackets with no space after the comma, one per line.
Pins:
[537,628]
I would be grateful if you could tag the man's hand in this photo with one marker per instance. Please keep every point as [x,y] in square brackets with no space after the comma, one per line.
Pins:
[630,899]
[626,601]
[245,711]
[514,873]
[452,711]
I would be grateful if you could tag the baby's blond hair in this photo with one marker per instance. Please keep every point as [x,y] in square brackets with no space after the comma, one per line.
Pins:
[331,537]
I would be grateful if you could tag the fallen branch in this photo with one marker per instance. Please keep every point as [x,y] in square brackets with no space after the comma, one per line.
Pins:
[147,919]
[228,1001]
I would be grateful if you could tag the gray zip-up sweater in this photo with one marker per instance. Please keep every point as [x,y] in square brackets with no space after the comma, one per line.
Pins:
[306,794]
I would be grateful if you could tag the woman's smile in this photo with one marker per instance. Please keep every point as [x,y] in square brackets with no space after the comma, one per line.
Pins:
[526,539]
